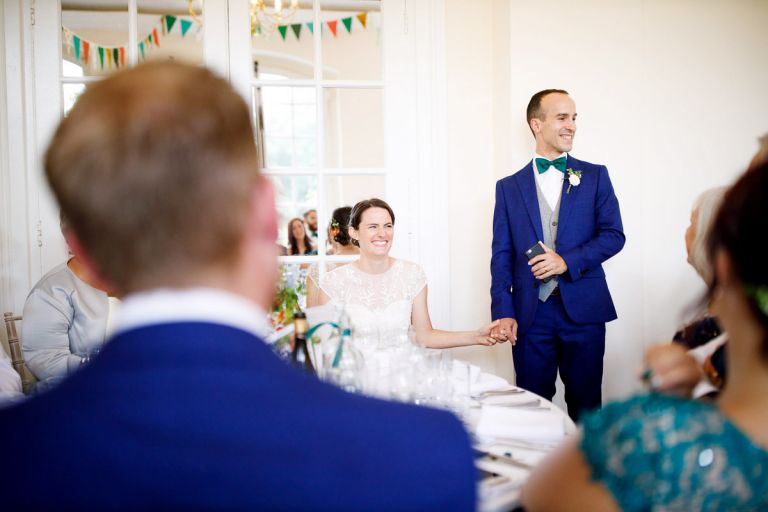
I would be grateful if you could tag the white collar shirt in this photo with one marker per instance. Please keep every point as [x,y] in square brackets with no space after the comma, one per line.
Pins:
[210,305]
[550,182]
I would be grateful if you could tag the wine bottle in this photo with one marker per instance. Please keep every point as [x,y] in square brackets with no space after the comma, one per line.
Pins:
[300,354]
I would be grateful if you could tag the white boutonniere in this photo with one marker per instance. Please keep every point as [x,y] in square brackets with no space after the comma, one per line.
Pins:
[574,179]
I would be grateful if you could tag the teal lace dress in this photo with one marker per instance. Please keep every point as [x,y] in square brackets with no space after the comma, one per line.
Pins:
[655,452]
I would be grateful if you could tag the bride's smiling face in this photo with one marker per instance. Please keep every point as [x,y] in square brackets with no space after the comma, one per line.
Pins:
[375,233]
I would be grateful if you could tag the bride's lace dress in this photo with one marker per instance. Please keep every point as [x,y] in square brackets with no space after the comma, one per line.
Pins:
[376,301]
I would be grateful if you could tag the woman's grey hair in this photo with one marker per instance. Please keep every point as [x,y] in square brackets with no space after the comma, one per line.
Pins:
[707,205]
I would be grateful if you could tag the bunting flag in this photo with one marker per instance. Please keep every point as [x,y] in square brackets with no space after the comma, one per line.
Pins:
[110,56]
[332,26]
[185,24]
[169,21]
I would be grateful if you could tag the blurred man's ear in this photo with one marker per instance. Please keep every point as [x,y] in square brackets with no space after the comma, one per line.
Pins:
[94,275]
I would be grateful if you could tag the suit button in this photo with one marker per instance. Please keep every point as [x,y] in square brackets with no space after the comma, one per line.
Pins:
[554,223]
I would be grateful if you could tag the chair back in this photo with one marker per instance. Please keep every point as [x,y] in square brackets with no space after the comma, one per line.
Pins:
[17,356]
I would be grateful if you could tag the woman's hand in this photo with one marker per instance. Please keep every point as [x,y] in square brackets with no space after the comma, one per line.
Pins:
[483,336]
[669,368]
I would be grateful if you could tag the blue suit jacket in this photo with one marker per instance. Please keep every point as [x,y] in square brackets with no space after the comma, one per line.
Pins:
[589,232]
[192,416]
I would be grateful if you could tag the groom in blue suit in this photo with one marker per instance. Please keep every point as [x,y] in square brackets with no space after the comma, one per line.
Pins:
[553,306]
[186,407]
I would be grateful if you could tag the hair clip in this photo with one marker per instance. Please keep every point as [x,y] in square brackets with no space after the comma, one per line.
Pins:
[760,296]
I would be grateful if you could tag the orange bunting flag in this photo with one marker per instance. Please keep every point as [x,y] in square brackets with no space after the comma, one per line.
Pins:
[332,26]
[157,41]
[122,56]
[86,48]
[362,17]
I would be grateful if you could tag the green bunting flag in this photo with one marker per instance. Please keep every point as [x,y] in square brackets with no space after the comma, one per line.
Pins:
[76,40]
[185,24]
[283,29]
[101,57]
[348,24]
[169,21]
[296,27]
[141,49]
[116,57]
[311,27]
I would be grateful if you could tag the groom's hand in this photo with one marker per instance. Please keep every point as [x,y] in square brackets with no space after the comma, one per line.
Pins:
[548,264]
[505,330]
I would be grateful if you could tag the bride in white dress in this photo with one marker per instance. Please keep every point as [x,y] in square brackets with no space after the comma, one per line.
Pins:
[387,294]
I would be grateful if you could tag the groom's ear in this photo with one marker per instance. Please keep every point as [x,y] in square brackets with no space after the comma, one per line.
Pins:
[535,125]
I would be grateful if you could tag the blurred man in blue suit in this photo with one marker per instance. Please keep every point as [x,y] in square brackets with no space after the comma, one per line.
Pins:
[186,408]
[553,307]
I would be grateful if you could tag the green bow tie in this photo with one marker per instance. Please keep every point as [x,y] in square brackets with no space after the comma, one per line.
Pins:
[542,164]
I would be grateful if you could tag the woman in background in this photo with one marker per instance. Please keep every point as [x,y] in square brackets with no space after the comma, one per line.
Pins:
[658,452]
[298,240]
[65,321]
[340,245]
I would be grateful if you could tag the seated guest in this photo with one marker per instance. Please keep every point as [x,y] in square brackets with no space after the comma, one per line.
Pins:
[310,224]
[340,245]
[298,240]
[385,293]
[65,321]
[186,407]
[658,452]
[10,381]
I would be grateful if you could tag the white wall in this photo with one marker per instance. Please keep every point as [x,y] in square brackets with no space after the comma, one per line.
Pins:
[671,98]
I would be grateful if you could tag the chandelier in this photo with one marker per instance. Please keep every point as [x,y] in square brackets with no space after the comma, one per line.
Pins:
[264,18]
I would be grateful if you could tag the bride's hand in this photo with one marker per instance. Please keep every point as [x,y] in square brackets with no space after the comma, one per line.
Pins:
[483,336]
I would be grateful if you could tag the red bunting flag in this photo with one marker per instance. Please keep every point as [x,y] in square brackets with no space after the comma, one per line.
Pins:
[332,26]
[86,48]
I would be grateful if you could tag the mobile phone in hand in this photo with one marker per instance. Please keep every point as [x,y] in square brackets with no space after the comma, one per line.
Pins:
[535,251]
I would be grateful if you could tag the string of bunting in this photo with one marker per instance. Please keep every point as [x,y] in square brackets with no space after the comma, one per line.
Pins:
[333,26]
[102,56]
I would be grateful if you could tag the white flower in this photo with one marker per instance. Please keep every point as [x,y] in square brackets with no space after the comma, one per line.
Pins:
[574,180]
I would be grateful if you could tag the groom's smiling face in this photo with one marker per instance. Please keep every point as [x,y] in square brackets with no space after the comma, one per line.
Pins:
[556,127]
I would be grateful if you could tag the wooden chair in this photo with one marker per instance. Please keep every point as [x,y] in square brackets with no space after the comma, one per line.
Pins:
[17,356]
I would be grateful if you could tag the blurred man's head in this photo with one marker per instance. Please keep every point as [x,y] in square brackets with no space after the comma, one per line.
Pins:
[157,171]
[310,219]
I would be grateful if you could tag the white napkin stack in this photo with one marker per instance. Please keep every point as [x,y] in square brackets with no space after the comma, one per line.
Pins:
[519,423]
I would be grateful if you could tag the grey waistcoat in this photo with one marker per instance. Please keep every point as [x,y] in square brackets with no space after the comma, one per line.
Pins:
[549,221]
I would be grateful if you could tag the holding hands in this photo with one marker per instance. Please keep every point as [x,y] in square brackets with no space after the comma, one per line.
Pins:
[548,264]
[504,329]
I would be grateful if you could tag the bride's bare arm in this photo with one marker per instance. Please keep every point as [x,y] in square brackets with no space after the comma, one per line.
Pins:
[434,338]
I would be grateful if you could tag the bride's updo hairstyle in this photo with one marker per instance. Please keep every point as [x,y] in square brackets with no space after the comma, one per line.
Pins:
[357,213]
[738,229]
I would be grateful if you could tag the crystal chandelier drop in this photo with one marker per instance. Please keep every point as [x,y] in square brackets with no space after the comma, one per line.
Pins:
[265,18]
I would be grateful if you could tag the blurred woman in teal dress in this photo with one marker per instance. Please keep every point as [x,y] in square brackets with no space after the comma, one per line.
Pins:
[657,452]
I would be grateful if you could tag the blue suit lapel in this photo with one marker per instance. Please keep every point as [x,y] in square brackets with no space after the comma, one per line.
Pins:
[527,184]
[566,201]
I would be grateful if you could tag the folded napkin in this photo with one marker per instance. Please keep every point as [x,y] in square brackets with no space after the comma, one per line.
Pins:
[479,381]
[520,423]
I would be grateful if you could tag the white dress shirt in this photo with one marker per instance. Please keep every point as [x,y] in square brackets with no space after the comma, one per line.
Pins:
[550,181]
[212,305]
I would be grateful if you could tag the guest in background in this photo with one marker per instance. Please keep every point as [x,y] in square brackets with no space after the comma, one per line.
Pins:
[658,452]
[10,381]
[381,292]
[340,245]
[298,240]
[310,223]
[66,318]
[187,408]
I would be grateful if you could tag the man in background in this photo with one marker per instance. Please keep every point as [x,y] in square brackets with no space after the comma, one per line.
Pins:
[553,306]
[186,407]
[310,223]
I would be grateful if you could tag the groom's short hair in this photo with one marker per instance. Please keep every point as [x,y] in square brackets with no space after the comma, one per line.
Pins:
[534,106]
[155,167]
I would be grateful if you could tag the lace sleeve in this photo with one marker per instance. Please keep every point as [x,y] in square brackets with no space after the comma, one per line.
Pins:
[416,279]
[659,452]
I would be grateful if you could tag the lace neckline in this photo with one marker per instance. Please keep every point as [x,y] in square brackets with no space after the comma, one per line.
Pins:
[393,263]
